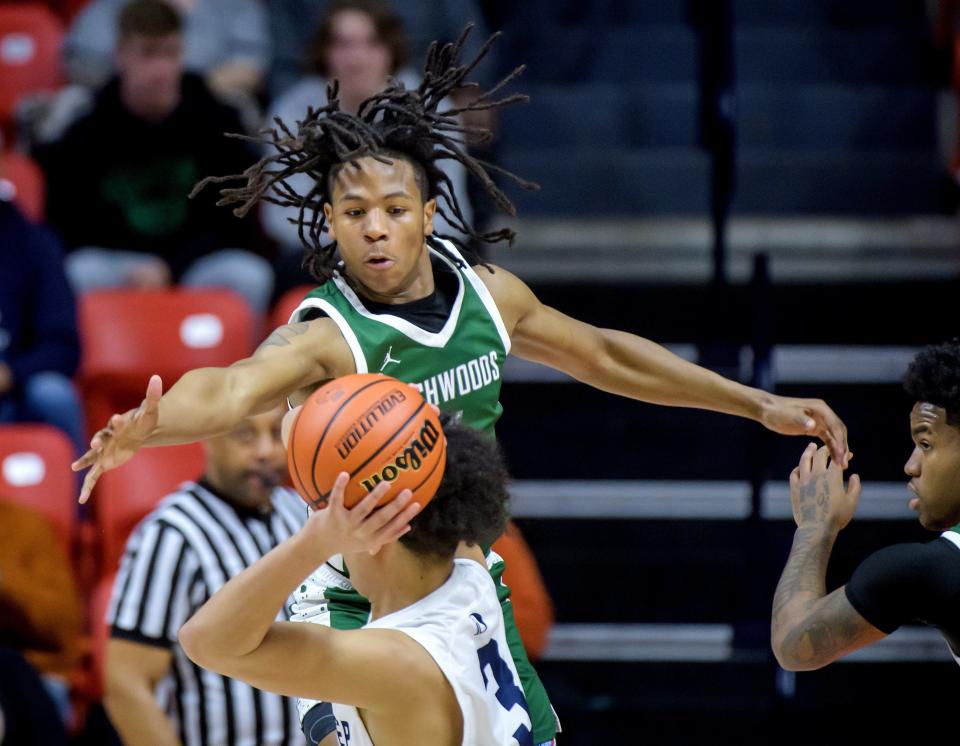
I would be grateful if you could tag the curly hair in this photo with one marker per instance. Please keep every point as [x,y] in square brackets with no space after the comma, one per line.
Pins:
[392,123]
[934,377]
[471,502]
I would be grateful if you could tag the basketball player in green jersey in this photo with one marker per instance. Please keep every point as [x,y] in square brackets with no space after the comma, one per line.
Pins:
[395,299]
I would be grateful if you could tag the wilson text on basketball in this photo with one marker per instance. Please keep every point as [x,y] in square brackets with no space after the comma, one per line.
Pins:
[411,457]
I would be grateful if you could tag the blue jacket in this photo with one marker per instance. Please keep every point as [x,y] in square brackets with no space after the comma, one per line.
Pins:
[38,316]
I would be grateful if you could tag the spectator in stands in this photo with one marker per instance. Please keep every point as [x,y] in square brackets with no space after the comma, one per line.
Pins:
[359,43]
[225,41]
[918,582]
[41,619]
[292,22]
[119,177]
[177,558]
[39,347]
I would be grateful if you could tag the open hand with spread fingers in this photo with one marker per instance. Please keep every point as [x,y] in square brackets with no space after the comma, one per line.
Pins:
[123,436]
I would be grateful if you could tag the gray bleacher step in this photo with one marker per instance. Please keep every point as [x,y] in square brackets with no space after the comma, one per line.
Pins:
[600,181]
[664,499]
[879,501]
[820,248]
[612,116]
[791,364]
[612,54]
[640,642]
[907,644]
[846,13]
[819,54]
[629,499]
[713,643]
[847,182]
[665,115]
[835,116]
[794,364]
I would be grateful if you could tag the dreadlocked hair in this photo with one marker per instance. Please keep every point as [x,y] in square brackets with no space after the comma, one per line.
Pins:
[394,123]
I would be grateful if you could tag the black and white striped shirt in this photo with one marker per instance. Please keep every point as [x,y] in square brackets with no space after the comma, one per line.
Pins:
[176,559]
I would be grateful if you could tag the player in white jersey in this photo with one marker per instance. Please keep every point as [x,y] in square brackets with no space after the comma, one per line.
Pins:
[432,664]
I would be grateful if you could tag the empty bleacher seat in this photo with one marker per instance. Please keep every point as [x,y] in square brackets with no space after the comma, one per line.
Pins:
[819,181]
[129,335]
[126,494]
[287,304]
[839,13]
[611,182]
[35,471]
[835,117]
[786,55]
[30,38]
[602,115]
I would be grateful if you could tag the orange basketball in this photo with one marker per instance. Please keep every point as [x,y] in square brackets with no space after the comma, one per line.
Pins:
[373,427]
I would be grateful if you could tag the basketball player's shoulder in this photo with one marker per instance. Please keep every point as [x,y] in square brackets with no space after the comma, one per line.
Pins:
[509,292]
[321,338]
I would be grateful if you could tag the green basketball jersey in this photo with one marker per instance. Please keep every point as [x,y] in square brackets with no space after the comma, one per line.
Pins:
[457,368]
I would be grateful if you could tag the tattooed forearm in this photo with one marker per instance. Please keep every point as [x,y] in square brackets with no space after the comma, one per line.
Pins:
[806,569]
[282,336]
[810,628]
[822,637]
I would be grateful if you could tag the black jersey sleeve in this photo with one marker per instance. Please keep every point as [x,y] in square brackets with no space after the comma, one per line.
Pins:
[905,583]
[309,314]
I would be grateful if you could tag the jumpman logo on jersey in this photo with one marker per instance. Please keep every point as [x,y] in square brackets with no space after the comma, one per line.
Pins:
[387,359]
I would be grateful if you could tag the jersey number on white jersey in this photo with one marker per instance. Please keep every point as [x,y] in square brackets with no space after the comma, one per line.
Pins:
[508,694]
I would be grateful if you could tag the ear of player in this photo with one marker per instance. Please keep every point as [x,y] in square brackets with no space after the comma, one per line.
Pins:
[376,429]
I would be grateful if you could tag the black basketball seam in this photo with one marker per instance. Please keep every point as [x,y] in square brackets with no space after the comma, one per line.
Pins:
[316,453]
[441,459]
[389,440]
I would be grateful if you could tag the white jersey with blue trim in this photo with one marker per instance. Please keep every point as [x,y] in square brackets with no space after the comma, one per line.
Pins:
[461,626]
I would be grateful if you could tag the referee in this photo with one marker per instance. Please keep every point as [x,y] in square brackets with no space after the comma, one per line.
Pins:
[916,582]
[178,557]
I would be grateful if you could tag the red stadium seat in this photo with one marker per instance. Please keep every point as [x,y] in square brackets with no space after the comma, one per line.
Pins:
[125,495]
[22,182]
[286,305]
[99,634]
[68,9]
[35,471]
[30,38]
[129,335]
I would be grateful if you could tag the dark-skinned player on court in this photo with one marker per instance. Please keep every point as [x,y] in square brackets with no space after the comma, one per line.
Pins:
[393,297]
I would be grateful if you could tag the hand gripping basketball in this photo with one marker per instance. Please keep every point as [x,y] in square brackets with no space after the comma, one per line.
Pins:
[363,528]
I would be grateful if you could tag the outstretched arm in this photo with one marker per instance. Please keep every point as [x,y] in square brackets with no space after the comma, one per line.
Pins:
[632,366]
[209,401]
[811,628]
